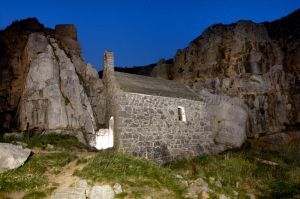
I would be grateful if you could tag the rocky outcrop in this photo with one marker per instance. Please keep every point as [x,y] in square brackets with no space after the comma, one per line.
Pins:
[12,156]
[243,47]
[53,97]
[14,68]
[269,97]
[56,90]
[67,35]
[258,63]
[95,90]
[228,119]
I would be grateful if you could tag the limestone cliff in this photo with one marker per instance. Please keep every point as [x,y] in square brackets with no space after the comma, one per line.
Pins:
[258,63]
[45,83]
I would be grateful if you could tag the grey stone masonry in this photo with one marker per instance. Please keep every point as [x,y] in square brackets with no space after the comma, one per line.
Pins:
[149,126]
[163,120]
[109,60]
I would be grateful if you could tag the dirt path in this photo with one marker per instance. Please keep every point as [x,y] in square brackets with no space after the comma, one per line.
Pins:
[65,178]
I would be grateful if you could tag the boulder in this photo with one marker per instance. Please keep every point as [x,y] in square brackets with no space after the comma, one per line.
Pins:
[218,184]
[118,188]
[102,192]
[228,118]
[77,192]
[12,156]
[222,196]
[198,187]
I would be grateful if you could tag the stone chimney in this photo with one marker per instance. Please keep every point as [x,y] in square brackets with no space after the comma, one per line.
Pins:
[108,62]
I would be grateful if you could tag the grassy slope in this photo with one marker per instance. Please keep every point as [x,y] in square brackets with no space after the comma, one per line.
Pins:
[136,175]
[237,170]
[32,176]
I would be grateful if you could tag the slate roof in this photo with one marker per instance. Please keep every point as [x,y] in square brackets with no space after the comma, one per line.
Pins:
[152,86]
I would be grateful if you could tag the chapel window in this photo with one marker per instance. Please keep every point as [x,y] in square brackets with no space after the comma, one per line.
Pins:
[181,114]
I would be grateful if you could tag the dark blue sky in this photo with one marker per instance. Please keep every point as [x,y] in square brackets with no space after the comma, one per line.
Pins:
[141,32]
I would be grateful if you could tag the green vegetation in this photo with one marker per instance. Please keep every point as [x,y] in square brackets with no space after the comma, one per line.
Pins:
[121,195]
[60,142]
[81,161]
[139,175]
[65,142]
[239,171]
[32,176]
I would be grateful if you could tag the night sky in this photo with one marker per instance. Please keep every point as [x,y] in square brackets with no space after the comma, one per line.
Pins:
[140,32]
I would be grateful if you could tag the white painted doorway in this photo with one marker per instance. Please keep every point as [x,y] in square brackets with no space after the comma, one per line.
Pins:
[105,137]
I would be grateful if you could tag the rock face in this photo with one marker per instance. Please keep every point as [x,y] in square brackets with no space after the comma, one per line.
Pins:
[13,67]
[50,87]
[53,97]
[258,63]
[228,118]
[244,47]
[12,156]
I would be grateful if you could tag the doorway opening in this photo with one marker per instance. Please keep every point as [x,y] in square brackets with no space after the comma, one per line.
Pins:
[105,137]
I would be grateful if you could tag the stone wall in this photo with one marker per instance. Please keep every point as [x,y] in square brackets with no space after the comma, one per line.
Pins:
[149,126]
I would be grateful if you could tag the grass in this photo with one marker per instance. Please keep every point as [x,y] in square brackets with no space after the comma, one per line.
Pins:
[32,176]
[230,169]
[61,142]
[66,142]
[130,171]
[238,171]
